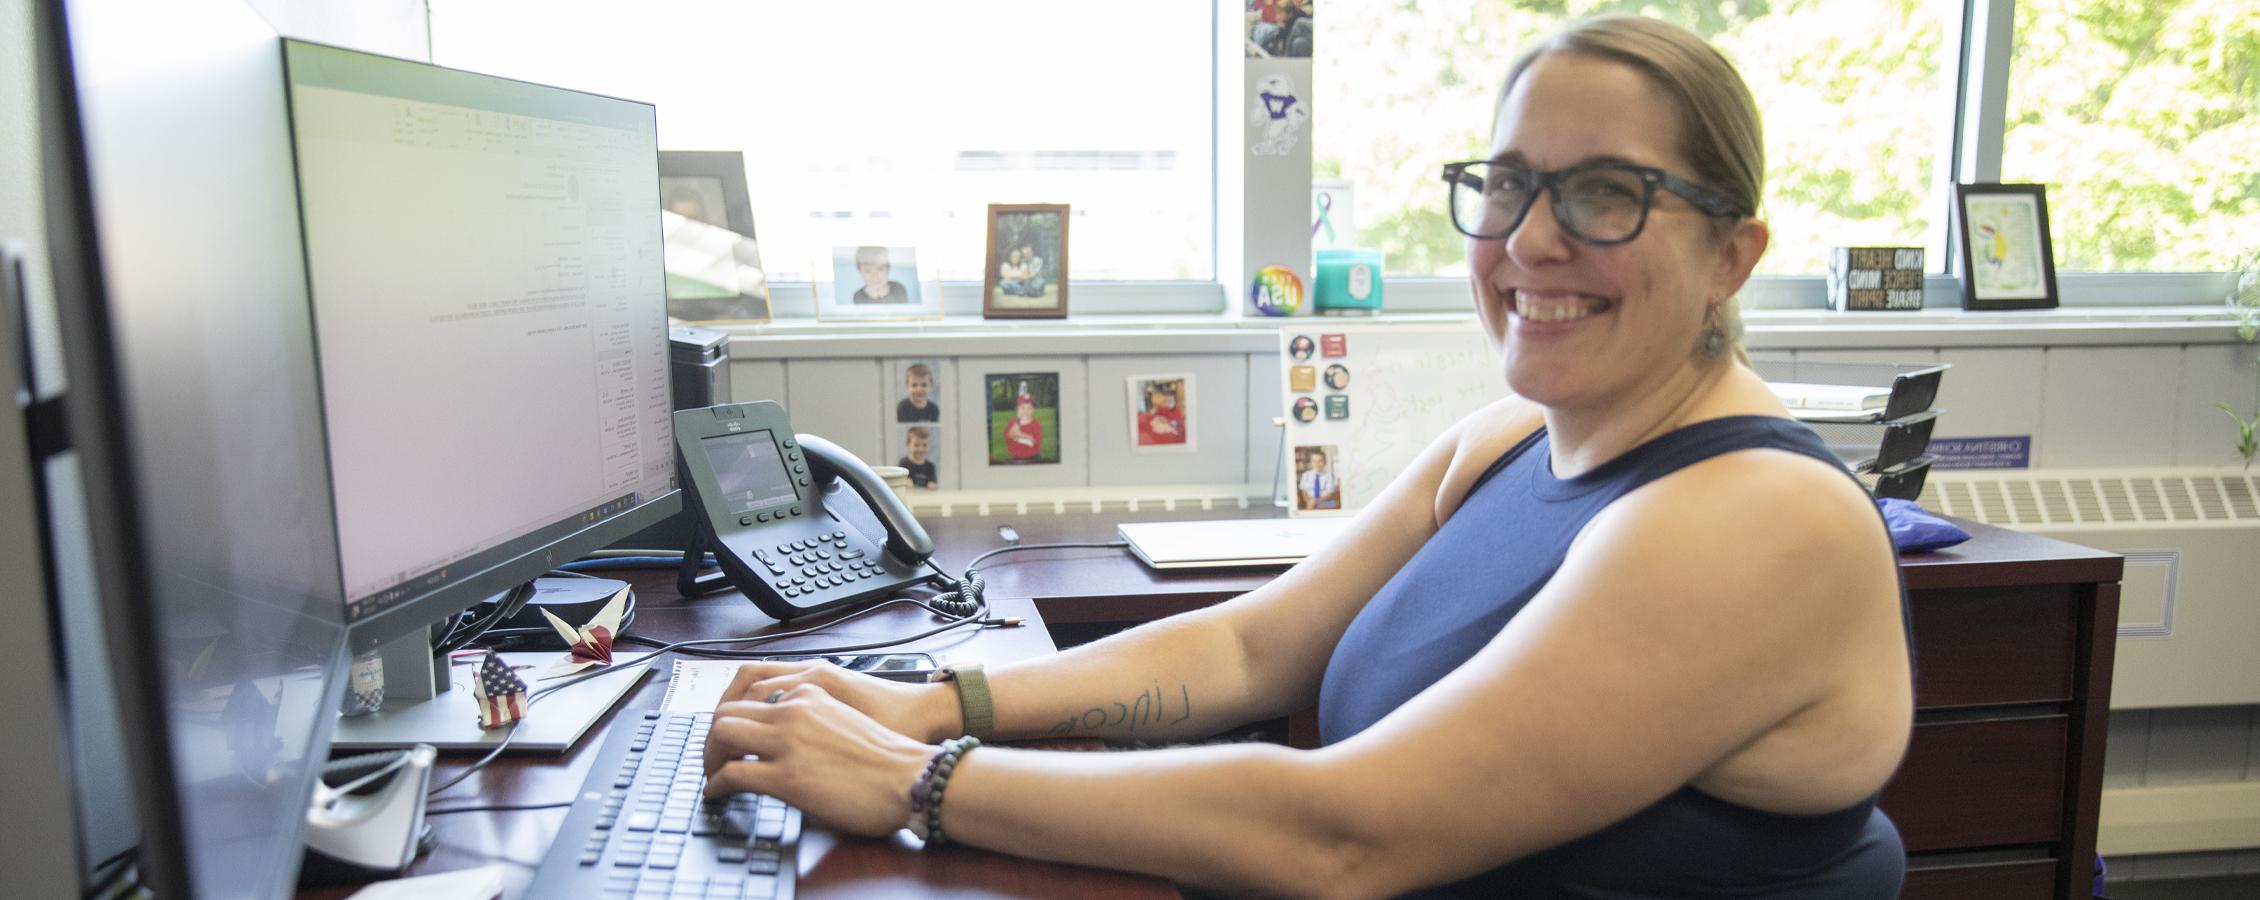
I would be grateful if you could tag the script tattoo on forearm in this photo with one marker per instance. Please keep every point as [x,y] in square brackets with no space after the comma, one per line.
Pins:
[1149,708]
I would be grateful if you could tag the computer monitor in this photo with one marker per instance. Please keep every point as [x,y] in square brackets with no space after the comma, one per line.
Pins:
[485,261]
[202,497]
[232,579]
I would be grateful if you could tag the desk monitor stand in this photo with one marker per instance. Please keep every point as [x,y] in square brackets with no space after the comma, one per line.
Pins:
[428,700]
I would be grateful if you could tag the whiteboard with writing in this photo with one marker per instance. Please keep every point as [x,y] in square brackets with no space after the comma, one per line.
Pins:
[1365,398]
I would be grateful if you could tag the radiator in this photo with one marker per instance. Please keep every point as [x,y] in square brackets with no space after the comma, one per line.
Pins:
[2189,609]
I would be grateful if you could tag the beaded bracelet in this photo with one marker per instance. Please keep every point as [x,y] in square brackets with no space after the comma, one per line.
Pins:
[926,792]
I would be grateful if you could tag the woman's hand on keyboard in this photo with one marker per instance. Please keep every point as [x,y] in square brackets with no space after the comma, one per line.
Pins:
[927,712]
[813,751]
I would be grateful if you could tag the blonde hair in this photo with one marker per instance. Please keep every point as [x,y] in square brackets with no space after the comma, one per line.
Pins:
[1719,133]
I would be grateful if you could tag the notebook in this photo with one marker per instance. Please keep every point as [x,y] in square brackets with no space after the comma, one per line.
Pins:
[1230,543]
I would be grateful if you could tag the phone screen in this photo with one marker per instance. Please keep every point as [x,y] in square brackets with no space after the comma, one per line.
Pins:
[749,470]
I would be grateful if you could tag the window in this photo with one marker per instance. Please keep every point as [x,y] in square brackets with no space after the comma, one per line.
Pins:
[892,122]
[1855,98]
[2143,119]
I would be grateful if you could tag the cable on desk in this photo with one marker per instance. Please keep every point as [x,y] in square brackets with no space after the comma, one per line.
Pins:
[964,603]
[503,807]
[537,695]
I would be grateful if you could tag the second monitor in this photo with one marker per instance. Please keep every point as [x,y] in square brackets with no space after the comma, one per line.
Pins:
[489,308]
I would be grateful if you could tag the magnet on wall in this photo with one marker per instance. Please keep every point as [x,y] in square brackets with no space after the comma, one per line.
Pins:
[1302,378]
[1338,406]
[1306,409]
[1334,345]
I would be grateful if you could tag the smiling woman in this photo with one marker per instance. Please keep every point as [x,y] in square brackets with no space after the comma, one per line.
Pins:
[1633,633]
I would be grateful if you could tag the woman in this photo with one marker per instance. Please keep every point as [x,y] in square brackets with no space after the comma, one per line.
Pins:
[1629,634]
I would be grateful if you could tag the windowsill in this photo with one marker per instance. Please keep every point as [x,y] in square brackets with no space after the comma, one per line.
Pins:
[1180,334]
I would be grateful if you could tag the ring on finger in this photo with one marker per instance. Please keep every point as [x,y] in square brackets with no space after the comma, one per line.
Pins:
[780,695]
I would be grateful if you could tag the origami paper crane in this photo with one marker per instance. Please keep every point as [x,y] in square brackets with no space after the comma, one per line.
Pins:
[591,645]
[501,693]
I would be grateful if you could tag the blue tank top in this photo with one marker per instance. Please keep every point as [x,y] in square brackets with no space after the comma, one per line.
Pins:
[1459,590]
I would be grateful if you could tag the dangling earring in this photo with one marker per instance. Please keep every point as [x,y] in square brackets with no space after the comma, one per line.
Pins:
[1714,334]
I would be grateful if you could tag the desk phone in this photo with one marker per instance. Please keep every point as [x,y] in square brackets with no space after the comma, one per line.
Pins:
[768,503]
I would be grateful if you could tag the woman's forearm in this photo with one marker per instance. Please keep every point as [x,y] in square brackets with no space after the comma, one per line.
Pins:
[1178,678]
[1235,817]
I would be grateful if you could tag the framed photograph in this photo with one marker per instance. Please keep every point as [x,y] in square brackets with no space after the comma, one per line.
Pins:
[1316,486]
[918,395]
[1026,275]
[920,449]
[714,272]
[872,282]
[2007,259]
[1023,418]
[1161,413]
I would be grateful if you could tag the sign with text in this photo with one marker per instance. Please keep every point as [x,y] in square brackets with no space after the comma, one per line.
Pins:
[2005,452]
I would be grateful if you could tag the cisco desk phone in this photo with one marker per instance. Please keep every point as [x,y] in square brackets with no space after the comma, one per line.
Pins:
[786,514]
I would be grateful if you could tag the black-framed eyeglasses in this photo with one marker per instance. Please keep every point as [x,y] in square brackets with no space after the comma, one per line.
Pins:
[1601,202]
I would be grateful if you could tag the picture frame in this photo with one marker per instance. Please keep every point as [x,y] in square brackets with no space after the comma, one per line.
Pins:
[1023,418]
[877,282]
[1161,413]
[1021,237]
[2008,258]
[713,262]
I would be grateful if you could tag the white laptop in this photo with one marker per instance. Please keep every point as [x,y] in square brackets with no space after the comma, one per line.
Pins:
[1230,543]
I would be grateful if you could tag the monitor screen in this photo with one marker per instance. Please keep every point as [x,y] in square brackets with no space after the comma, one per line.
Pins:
[203,529]
[750,470]
[490,312]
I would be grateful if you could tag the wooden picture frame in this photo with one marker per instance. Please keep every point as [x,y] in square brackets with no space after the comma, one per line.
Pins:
[2008,258]
[708,187]
[1015,228]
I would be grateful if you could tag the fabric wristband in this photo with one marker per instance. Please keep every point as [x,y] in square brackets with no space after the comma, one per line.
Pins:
[973,701]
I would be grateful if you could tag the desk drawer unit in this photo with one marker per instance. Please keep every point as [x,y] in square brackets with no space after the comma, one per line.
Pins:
[1989,798]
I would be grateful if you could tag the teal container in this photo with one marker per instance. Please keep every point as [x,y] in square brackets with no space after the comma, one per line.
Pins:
[1348,282]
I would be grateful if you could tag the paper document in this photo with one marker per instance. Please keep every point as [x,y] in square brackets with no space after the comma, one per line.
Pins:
[697,684]
[1835,397]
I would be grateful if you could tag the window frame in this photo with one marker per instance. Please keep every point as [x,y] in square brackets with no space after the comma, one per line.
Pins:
[1972,153]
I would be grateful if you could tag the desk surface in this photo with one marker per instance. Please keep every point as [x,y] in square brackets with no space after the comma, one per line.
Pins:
[1111,585]
[831,865]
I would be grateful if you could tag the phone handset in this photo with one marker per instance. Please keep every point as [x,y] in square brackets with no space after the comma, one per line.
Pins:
[906,539]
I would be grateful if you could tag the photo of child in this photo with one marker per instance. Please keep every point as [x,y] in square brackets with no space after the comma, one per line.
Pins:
[1160,410]
[875,282]
[920,387]
[1316,486]
[1023,418]
[919,443]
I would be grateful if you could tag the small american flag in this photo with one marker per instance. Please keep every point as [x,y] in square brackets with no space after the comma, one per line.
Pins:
[501,693]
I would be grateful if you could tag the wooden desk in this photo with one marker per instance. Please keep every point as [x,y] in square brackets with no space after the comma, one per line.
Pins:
[2014,635]
[830,865]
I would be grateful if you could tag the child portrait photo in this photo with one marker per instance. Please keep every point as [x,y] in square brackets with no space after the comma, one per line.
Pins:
[1023,418]
[1316,486]
[1026,275]
[877,282]
[920,446]
[918,390]
[1161,413]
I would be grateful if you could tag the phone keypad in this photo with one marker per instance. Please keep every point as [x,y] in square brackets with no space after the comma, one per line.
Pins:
[810,565]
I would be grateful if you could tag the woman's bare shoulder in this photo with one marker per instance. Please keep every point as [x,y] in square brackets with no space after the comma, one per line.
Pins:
[1479,440]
